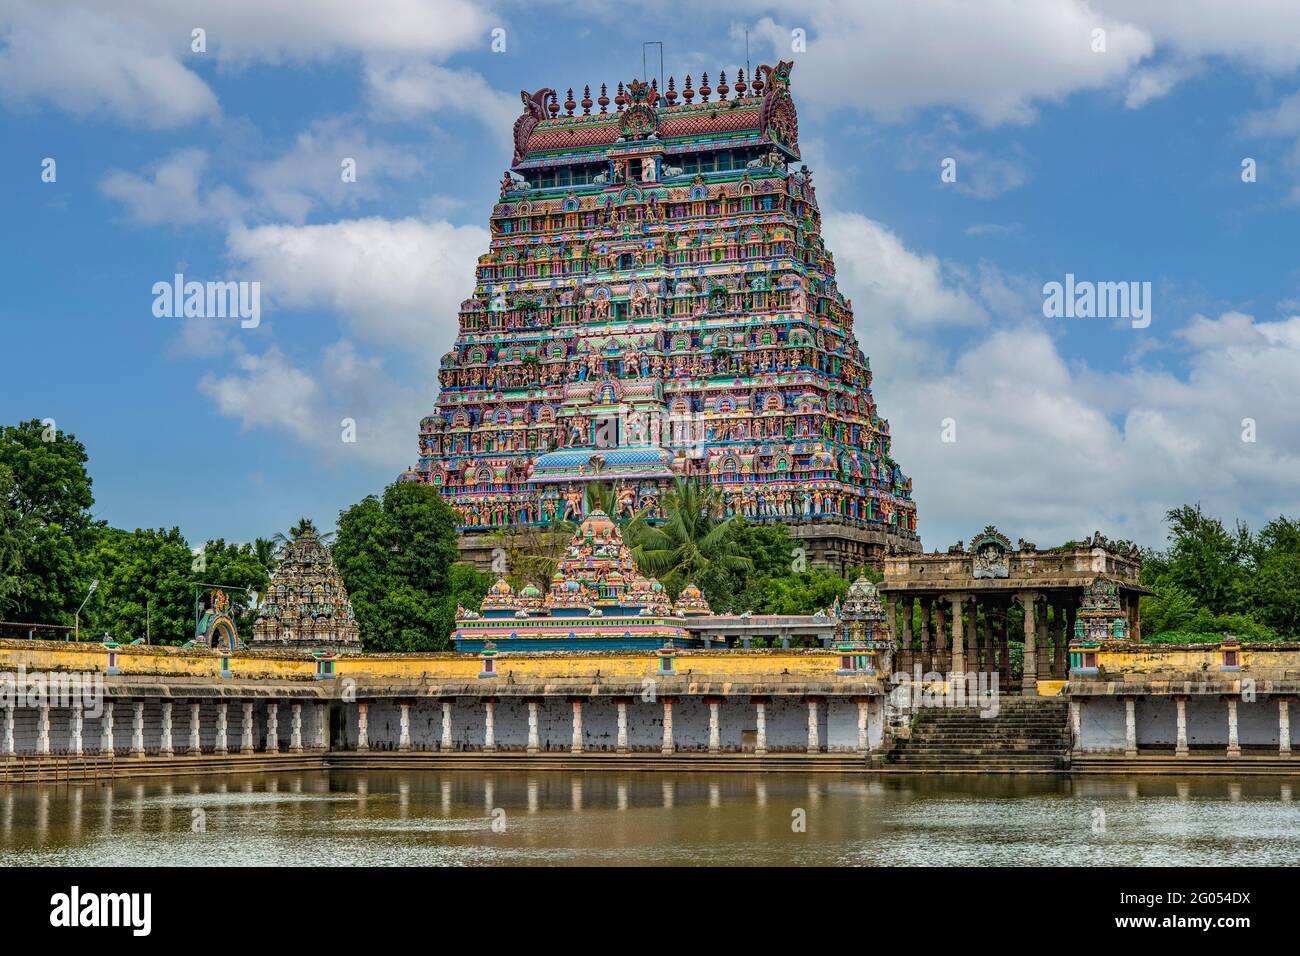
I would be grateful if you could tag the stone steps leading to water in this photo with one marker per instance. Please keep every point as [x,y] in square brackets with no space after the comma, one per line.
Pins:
[1024,735]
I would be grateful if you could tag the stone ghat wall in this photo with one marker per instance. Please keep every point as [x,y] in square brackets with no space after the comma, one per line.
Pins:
[284,665]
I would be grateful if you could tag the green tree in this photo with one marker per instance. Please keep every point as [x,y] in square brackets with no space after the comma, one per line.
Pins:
[693,544]
[1272,590]
[45,523]
[1205,559]
[145,582]
[12,537]
[397,556]
[806,592]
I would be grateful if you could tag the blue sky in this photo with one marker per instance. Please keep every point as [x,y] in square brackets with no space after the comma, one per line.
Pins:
[1122,164]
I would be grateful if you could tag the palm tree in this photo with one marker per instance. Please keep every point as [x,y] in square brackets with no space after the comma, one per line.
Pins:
[694,544]
[297,530]
[267,551]
[599,496]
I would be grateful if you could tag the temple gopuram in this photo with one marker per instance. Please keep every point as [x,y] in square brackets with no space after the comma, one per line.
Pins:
[597,601]
[306,605]
[657,302]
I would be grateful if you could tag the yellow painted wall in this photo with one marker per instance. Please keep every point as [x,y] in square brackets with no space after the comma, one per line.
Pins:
[1150,659]
[721,664]
[199,662]
[152,660]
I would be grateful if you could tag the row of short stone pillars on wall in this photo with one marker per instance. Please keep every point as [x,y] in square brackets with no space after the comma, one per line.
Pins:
[668,746]
[1180,746]
[168,745]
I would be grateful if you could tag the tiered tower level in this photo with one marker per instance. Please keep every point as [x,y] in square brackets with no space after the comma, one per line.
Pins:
[657,301]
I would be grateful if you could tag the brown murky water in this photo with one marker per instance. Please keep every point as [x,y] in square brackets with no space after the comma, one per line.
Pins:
[524,818]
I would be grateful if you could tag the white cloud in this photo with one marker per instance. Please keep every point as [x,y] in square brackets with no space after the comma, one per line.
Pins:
[396,282]
[314,405]
[996,61]
[1263,35]
[133,58]
[887,279]
[1000,61]
[1151,83]
[310,173]
[173,192]
[410,89]
[1051,450]
[88,62]
[1280,119]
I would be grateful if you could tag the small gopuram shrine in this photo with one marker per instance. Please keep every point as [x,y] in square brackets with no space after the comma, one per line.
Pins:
[949,612]
[657,302]
[306,605]
[596,601]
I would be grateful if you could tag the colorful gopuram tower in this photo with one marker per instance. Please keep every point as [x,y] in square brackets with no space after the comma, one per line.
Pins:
[657,302]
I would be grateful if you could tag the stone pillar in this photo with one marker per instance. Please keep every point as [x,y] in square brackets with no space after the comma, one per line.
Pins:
[363,726]
[295,730]
[246,729]
[195,744]
[760,721]
[864,740]
[534,742]
[927,635]
[1029,679]
[105,734]
[1283,727]
[273,727]
[575,746]
[7,744]
[1130,727]
[322,728]
[940,632]
[404,732]
[891,619]
[621,745]
[813,744]
[715,730]
[165,742]
[1004,655]
[668,746]
[958,667]
[74,745]
[489,726]
[446,726]
[1076,725]
[908,610]
[1180,747]
[43,730]
[137,729]
[1059,666]
[1234,748]
[222,727]
[1043,651]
